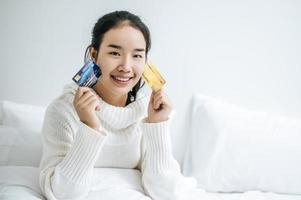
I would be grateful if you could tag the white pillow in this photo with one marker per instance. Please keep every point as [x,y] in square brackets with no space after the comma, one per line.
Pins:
[19,146]
[23,115]
[236,150]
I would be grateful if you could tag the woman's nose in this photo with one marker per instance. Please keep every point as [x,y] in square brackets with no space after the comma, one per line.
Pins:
[125,65]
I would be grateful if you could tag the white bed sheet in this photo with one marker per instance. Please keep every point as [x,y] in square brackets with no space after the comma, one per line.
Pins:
[22,183]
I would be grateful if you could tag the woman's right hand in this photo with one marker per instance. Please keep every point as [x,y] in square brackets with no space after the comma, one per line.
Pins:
[85,103]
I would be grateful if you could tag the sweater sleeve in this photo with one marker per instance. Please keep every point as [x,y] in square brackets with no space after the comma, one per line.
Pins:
[70,150]
[161,175]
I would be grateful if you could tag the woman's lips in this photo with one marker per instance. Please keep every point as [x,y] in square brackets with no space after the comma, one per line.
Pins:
[121,80]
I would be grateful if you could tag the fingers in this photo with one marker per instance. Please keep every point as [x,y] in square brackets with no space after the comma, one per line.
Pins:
[88,100]
[85,96]
[159,102]
[158,99]
[79,92]
[93,104]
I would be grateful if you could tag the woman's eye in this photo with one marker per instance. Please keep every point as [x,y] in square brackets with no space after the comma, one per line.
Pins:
[138,56]
[114,53]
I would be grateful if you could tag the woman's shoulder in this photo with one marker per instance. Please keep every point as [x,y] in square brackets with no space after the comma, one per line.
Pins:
[60,113]
[64,102]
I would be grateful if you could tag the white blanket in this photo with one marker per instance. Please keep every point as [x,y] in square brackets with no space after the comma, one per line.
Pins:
[111,184]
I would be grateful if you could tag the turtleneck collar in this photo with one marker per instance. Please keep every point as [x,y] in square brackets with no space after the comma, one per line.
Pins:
[118,117]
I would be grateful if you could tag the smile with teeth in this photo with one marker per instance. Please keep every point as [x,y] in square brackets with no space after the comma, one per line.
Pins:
[121,79]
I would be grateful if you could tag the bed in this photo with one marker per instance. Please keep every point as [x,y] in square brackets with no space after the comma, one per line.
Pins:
[234,153]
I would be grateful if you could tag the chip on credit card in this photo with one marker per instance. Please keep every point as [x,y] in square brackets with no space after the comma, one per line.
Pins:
[88,75]
[152,77]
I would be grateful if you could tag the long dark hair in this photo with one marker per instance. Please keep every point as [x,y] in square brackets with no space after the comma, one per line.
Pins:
[111,20]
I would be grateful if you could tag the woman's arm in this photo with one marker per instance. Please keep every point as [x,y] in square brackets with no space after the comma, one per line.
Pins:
[161,174]
[70,150]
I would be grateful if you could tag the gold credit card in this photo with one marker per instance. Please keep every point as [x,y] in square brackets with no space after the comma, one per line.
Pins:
[152,77]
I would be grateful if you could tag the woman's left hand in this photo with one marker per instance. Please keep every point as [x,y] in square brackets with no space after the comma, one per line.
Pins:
[159,107]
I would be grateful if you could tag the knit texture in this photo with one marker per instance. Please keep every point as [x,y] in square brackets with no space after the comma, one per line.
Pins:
[71,149]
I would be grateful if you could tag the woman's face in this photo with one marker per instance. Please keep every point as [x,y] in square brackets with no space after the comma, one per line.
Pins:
[121,57]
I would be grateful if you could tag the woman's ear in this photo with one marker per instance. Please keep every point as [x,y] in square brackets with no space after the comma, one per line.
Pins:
[93,54]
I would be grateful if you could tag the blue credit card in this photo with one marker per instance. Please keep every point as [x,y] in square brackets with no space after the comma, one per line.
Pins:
[88,75]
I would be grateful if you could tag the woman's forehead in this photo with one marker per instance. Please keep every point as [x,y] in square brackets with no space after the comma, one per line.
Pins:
[126,37]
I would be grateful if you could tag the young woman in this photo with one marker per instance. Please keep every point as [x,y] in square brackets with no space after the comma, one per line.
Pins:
[113,124]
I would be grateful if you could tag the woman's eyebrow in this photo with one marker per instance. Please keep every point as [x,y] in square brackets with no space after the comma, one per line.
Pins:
[115,46]
[120,47]
[139,49]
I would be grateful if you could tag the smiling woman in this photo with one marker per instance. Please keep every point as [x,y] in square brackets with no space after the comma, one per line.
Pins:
[122,58]
[124,38]
[86,129]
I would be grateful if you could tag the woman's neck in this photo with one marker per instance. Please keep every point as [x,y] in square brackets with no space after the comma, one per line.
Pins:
[109,97]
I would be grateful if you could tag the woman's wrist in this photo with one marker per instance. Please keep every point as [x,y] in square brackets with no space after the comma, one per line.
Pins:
[98,129]
[154,120]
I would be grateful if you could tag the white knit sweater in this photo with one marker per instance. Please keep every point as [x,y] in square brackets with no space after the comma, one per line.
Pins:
[72,149]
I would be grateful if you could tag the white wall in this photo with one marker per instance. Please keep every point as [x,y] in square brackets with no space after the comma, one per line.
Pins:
[246,52]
